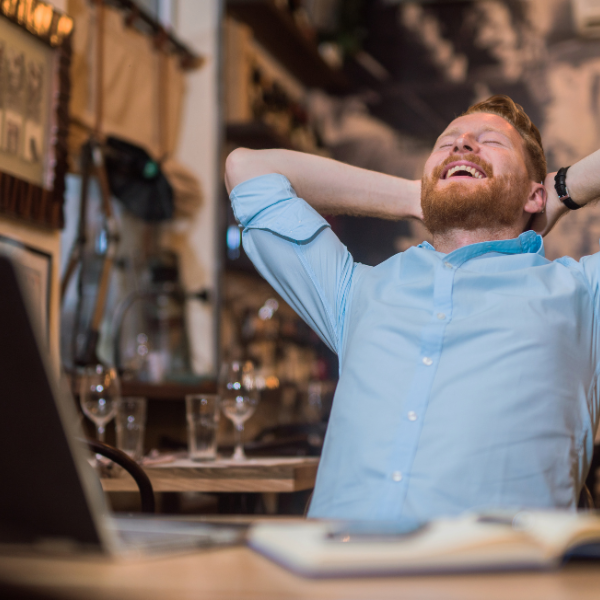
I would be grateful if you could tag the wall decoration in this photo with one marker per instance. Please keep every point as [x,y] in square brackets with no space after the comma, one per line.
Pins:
[35,270]
[34,93]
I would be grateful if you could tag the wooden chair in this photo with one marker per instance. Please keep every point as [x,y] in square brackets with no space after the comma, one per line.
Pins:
[588,497]
[120,458]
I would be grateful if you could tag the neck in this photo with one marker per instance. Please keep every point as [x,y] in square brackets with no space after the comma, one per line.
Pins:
[451,240]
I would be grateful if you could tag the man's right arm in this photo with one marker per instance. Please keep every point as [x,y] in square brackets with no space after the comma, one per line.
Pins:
[275,196]
[329,186]
[294,249]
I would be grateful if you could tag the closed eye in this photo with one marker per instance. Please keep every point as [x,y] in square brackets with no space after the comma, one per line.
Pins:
[490,139]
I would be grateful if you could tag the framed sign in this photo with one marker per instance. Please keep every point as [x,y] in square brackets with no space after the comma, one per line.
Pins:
[35,54]
[35,270]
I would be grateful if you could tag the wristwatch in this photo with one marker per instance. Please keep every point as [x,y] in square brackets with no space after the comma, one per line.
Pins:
[560,186]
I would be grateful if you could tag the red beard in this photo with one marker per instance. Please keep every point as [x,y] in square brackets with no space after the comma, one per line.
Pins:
[493,203]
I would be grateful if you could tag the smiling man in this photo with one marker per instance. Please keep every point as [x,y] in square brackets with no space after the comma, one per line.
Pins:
[468,369]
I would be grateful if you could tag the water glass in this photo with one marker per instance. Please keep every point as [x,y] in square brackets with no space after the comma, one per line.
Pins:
[131,426]
[202,413]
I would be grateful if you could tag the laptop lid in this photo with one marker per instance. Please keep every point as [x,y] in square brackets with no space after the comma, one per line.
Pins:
[49,494]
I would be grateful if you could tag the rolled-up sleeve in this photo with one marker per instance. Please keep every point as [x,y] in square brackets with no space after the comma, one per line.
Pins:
[294,249]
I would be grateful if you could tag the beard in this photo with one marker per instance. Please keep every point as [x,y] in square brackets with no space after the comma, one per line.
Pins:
[493,203]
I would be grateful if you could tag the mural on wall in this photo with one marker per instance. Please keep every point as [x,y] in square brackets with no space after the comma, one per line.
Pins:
[436,58]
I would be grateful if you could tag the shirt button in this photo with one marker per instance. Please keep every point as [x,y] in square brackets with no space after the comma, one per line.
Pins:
[448,265]
[412,415]
[397,476]
[441,316]
[427,361]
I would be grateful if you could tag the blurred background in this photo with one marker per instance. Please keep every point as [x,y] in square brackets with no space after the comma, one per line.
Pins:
[147,270]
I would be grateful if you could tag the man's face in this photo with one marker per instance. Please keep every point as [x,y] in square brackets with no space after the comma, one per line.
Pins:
[476,176]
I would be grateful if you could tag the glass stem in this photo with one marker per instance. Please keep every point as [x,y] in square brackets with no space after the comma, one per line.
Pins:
[101,432]
[239,448]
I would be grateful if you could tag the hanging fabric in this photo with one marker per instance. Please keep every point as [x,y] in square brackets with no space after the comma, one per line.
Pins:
[129,82]
[146,86]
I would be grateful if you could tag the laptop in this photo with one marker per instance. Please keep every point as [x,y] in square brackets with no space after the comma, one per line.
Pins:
[51,497]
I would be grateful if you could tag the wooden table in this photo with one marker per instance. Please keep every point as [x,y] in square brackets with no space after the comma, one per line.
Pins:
[240,574]
[252,475]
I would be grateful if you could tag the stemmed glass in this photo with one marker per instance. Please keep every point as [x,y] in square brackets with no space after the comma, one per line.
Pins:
[99,392]
[239,398]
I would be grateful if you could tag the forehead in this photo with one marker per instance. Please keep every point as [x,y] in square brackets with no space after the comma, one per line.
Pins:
[479,123]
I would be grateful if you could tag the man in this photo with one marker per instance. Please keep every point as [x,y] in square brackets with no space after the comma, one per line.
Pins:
[467,368]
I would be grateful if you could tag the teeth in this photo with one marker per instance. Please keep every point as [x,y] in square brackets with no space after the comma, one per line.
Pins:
[471,170]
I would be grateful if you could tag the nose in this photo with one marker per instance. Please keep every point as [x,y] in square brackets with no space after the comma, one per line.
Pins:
[465,143]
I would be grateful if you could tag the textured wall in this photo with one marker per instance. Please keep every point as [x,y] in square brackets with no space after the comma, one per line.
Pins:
[440,57]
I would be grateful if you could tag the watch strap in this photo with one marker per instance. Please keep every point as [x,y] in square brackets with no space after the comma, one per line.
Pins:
[560,185]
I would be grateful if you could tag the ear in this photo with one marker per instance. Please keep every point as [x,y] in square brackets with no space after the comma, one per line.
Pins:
[537,198]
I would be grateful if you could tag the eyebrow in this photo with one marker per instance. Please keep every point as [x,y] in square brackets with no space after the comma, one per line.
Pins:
[486,129]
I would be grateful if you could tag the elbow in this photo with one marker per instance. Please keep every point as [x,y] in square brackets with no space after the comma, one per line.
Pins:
[243,164]
[238,167]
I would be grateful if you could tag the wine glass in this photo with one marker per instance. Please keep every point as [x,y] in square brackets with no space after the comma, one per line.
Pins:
[99,392]
[239,398]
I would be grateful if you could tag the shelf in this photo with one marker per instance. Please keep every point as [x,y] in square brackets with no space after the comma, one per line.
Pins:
[276,30]
[134,14]
[167,390]
[257,136]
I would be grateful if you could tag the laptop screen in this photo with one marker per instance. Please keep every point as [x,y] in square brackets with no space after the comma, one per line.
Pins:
[43,495]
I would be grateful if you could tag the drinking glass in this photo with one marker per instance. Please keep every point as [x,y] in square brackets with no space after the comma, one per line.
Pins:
[99,392]
[202,414]
[239,398]
[131,425]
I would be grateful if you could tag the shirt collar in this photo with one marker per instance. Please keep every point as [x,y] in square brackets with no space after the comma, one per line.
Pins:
[528,242]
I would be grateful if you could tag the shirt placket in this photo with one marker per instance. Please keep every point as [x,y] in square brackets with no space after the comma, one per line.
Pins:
[415,404]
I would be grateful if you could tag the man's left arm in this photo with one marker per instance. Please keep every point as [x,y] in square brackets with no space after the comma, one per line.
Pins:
[583,184]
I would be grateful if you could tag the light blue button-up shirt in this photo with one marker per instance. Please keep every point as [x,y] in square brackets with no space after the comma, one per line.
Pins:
[468,380]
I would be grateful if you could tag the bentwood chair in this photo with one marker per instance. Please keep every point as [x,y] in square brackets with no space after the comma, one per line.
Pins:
[588,498]
[120,458]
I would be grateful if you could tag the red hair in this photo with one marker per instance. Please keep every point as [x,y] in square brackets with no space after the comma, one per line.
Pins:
[508,109]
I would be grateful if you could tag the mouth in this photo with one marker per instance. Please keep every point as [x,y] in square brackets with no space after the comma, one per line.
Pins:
[463,170]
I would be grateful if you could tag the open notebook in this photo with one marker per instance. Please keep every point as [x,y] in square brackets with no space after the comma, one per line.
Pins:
[502,540]
[51,498]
